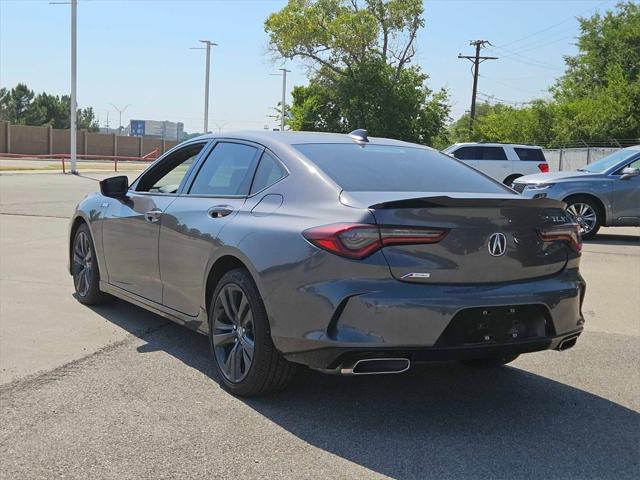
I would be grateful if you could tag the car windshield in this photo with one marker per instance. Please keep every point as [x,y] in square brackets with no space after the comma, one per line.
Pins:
[609,161]
[382,168]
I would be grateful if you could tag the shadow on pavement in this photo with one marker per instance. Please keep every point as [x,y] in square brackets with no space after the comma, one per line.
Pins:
[439,420]
[615,239]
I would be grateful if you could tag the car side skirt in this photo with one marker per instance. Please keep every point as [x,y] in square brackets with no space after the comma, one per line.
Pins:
[198,323]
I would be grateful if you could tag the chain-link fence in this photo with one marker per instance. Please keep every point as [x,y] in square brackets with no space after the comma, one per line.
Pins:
[580,153]
[574,158]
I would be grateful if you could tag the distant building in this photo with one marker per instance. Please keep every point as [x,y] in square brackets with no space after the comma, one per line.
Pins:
[124,132]
[156,129]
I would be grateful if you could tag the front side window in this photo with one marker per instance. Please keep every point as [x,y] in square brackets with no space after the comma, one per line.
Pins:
[465,153]
[227,171]
[269,172]
[381,168]
[167,176]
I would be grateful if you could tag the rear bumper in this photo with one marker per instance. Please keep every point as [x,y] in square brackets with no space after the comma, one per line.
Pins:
[397,319]
[332,358]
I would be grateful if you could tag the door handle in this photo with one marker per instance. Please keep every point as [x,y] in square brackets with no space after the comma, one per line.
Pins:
[153,215]
[220,211]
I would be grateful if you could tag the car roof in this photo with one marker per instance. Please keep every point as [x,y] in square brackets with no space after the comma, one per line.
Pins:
[288,138]
[494,144]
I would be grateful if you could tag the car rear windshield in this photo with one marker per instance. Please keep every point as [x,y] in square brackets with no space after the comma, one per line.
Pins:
[381,168]
[530,154]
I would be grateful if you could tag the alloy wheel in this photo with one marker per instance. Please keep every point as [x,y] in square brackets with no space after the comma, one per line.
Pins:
[585,215]
[82,264]
[233,332]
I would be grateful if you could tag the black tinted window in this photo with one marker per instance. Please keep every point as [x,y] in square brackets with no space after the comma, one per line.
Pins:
[531,154]
[379,168]
[490,153]
[466,153]
[269,172]
[227,171]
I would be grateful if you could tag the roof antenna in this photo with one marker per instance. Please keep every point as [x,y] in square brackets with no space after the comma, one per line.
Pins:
[359,135]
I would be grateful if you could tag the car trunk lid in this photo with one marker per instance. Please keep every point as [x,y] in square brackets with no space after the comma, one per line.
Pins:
[469,254]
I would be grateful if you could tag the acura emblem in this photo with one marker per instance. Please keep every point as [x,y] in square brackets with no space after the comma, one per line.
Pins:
[497,244]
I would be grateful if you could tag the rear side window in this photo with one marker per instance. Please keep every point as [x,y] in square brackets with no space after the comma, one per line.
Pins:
[379,168]
[269,172]
[491,153]
[228,170]
[480,153]
[530,154]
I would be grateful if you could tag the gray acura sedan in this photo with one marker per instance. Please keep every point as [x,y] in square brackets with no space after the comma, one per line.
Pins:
[604,193]
[348,254]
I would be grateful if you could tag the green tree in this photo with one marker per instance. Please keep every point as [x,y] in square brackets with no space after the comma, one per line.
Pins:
[15,103]
[598,96]
[22,107]
[359,56]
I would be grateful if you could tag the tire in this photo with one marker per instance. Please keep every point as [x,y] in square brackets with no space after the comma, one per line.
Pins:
[84,269]
[490,362]
[509,180]
[587,213]
[238,321]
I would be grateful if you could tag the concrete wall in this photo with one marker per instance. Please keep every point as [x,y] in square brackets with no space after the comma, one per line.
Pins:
[129,146]
[4,126]
[30,140]
[99,144]
[574,158]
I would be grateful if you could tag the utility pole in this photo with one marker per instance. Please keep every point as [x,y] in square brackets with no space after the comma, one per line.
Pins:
[208,44]
[284,98]
[283,103]
[120,110]
[73,130]
[73,120]
[476,60]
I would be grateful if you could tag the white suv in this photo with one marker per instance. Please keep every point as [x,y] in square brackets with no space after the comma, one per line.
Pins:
[504,162]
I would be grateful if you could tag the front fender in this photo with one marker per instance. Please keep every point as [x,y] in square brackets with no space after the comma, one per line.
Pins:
[89,211]
[601,191]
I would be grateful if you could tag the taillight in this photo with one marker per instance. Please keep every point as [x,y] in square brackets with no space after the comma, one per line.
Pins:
[569,232]
[361,240]
[543,167]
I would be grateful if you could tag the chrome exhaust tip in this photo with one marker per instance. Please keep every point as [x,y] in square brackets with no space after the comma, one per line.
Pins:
[567,343]
[376,366]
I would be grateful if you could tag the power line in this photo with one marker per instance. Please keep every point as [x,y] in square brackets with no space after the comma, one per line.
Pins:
[476,60]
[493,98]
[546,29]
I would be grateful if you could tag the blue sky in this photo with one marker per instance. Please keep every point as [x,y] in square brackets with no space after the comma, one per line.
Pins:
[137,52]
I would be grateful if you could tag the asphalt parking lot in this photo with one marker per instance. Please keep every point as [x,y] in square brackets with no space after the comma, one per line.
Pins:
[117,392]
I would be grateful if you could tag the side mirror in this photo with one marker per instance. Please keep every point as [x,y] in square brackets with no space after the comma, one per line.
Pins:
[629,172]
[114,187]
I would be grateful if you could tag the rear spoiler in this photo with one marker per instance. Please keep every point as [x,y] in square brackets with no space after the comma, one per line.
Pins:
[444,201]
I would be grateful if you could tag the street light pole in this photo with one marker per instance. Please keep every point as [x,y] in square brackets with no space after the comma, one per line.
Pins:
[284,98]
[74,105]
[208,45]
[120,110]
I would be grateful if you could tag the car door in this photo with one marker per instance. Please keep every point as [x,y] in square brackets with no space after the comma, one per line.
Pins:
[493,161]
[191,224]
[132,224]
[626,198]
